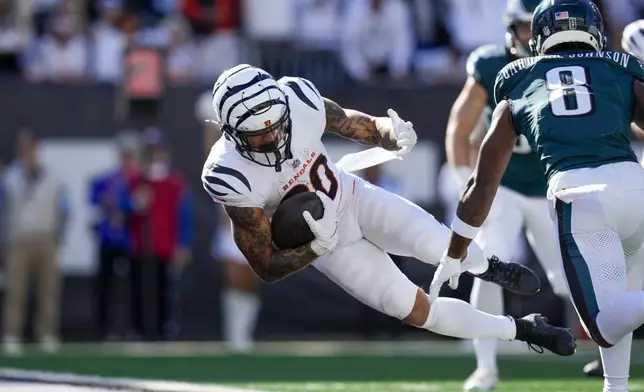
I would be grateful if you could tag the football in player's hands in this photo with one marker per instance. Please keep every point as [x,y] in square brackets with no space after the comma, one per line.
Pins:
[288,227]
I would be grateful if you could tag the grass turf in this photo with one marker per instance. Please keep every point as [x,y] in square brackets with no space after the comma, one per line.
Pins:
[321,369]
[505,386]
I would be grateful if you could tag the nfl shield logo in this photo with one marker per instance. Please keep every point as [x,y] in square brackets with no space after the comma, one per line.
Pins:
[267,123]
[561,15]
[296,162]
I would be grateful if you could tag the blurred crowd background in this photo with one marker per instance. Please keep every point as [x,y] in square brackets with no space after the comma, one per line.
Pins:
[84,41]
[106,233]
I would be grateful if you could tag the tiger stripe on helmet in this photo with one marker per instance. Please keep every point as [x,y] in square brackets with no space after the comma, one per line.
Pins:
[248,102]
[633,39]
[247,91]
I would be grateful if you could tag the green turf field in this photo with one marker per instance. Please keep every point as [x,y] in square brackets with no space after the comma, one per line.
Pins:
[515,386]
[320,367]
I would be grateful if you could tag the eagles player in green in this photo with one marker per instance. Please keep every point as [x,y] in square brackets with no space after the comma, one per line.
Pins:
[575,104]
[521,202]
[633,43]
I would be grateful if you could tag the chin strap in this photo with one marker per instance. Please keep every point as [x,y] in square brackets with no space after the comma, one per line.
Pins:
[278,161]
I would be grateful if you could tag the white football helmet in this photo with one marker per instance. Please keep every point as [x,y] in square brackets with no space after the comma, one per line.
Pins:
[249,105]
[633,39]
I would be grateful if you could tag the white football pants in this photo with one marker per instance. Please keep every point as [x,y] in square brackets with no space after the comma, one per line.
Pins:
[374,223]
[599,214]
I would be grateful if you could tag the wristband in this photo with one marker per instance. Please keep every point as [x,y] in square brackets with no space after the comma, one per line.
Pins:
[463,229]
[450,259]
[318,248]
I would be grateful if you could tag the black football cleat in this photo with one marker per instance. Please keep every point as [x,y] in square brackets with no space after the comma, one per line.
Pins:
[534,330]
[594,368]
[513,277]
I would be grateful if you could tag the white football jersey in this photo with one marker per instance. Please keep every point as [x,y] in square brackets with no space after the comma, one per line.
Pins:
[236,181]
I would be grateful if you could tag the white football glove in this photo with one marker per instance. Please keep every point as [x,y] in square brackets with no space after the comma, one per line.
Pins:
[406,137]
[325,229]
[449,269]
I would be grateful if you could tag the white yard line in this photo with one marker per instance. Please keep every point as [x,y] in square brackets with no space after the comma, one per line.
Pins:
[15,377]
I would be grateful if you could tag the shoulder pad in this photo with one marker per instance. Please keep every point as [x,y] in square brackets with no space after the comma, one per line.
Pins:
[509,75]
[499,88]
[478,59]
[229,186]
[302,92]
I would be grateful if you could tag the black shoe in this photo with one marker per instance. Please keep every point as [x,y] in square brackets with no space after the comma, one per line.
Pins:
[513,277]
[594,368]
[534,330]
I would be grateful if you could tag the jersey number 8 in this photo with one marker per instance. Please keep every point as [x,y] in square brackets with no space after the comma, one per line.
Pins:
[569,93]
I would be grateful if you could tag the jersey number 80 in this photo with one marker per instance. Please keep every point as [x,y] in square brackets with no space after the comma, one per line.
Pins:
[569,93]
[331,189]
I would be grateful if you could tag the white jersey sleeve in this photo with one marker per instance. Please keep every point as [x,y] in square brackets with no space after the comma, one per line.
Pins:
[306,105]
[224,179]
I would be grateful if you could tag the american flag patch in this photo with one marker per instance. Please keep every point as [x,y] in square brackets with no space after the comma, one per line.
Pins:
[561,15]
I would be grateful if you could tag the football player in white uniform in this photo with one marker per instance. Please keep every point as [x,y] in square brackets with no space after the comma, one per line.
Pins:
[272,149]
[240,294]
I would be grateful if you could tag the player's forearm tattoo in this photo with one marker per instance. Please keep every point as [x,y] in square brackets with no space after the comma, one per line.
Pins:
[357,126]
[252,233]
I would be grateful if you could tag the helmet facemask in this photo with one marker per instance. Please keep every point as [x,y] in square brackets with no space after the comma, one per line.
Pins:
[275,150]
[518,15]
[513,42]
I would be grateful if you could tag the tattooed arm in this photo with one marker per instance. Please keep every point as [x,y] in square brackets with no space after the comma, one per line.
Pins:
[493,159]
[252,233]
[360,127]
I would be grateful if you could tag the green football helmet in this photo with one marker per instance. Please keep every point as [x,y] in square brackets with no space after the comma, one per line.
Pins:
[518,12]
[576,22]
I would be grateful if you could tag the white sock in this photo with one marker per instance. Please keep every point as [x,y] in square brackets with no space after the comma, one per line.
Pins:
[623,315]
[486,297]
[240,312]
[617,363]
[453,317]
[475,262]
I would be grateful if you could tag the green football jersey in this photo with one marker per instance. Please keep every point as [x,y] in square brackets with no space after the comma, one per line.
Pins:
[524,173]
[575,108]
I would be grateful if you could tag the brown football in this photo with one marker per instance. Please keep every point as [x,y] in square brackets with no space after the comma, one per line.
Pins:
[288,227]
